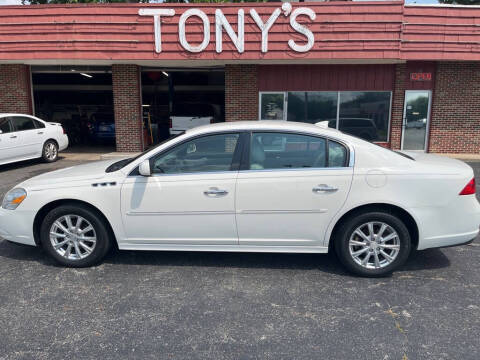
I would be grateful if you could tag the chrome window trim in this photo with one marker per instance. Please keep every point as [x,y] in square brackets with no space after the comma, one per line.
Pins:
[347,145]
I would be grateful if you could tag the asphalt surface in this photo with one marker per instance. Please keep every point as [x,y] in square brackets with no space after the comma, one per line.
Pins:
[167,305]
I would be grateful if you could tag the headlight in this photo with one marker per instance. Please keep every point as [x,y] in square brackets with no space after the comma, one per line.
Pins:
[14,198]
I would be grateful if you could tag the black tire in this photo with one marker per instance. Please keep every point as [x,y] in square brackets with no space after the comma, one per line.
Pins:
[350,225]
[101,232]
[50,151]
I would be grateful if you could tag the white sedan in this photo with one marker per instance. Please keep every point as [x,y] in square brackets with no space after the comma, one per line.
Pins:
[24,137]
[259,186]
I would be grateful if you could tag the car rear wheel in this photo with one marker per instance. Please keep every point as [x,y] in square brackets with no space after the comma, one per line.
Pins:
[50,151]
[75,236]
[373,243]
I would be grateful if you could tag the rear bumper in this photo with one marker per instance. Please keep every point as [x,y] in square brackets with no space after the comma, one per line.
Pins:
[62,142]
[17,226]
[449,240]
[456,224]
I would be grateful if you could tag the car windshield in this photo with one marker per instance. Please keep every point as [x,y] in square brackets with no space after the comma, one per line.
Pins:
[124,162]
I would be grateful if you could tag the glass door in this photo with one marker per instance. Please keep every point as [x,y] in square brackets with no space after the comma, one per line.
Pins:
[416,117]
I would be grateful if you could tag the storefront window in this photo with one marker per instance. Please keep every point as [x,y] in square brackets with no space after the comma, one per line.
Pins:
[312,107]
[365,114]
[272,106]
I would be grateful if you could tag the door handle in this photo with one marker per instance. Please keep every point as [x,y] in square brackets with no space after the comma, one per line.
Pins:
[215,192]
[13,137]
[324,188]
[40,132]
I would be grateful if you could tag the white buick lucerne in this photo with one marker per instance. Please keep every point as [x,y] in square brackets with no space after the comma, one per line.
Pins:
[24,137]
[251,186]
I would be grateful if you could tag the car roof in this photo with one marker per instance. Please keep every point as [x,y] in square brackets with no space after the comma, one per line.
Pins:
[16,114]
[263,125]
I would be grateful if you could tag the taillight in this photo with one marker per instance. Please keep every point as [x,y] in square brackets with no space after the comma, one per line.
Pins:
[170,125]
[63,130]
[469,189]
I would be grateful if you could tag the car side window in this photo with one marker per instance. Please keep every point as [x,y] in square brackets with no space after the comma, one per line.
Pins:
[337,154]
[294,151]
[21,123]
[209,153]
[287,151]
[38,124]
[5,125]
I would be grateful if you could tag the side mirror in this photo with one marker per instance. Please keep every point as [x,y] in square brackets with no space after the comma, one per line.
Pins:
[144,168]
[1,132]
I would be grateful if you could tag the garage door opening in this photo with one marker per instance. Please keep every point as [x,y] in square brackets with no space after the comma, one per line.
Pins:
[81,99]
[174,100]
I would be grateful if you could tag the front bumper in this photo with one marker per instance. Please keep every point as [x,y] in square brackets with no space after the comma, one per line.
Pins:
[17,226]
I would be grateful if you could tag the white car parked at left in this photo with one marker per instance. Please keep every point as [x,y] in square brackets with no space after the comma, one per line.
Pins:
[260,186]
[24,137]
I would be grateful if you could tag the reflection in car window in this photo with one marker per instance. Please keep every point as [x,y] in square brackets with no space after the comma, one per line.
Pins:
[21,123]
[294,151]
[204,154]
[286,151]
[337,154]
[5,125]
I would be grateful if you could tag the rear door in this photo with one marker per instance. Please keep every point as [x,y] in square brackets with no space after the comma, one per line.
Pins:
[8,141]
[290,188]
[30,138]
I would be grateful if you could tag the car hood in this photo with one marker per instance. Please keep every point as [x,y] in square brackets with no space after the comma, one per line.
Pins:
[71,175]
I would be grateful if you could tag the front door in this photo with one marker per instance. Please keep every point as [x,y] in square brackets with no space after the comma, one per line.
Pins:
[189,199]
[416,117]
[291,189]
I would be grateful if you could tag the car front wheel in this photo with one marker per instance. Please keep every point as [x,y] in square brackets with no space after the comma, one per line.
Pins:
[373,243]
[75,236]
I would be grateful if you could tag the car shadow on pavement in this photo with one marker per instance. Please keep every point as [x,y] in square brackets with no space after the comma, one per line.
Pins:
[25,164]
[421,260]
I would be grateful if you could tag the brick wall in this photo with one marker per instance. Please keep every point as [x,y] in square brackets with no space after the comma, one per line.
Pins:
[455,121]
[15,89]
[127,107]
[398,97]
[241,92]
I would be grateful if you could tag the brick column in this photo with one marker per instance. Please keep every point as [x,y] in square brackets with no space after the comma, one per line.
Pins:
[127,107]
[241,92]
[455,120]
[397,106]
[15,89]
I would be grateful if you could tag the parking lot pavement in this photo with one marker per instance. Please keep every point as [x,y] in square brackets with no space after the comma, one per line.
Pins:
[187,305]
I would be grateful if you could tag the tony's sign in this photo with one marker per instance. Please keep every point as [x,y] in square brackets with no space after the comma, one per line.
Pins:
[222,24]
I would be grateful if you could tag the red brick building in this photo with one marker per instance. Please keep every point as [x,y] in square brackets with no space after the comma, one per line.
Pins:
[404,76]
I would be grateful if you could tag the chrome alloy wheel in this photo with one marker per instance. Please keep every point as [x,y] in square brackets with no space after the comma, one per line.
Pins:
[50,151]
[73,237]
[374,245]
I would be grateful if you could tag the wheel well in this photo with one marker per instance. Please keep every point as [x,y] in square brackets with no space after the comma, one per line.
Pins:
[55,141]
[403,215]
[37,222]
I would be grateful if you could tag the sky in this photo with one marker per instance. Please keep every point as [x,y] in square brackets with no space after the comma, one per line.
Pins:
[18,2]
